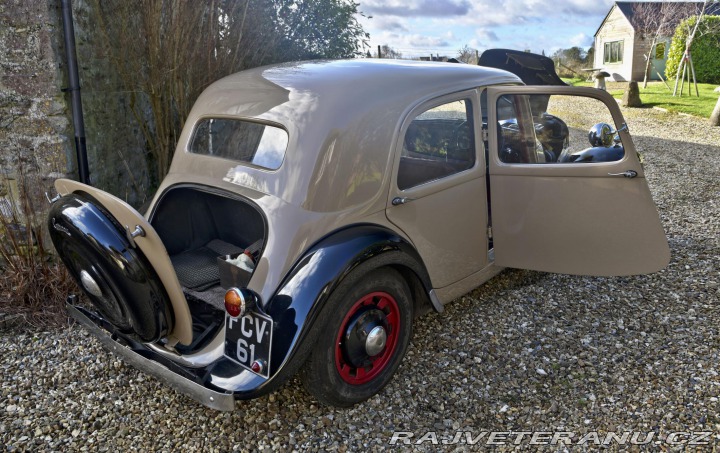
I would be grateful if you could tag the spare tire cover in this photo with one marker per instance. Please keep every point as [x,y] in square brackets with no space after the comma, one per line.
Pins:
[114,274]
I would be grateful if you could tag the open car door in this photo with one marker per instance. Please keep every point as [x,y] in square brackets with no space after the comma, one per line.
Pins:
[568,192]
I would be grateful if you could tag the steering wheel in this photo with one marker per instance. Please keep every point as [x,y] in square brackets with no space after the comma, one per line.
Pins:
[461,142]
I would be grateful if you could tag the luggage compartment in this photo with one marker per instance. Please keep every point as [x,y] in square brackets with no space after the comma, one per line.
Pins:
[197,227]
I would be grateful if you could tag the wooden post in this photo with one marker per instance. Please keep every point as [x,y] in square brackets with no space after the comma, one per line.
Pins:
[379,53]
[682,83]
[692,67]
[677,74]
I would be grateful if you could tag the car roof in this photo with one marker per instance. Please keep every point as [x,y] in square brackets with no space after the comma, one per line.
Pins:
[340,116]
[367,74]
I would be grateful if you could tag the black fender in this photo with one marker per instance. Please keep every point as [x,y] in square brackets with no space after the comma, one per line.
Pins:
[304,291]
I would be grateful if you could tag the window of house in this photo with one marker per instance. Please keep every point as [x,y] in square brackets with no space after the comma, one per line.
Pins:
[613,52]
[439,142]
[660,51]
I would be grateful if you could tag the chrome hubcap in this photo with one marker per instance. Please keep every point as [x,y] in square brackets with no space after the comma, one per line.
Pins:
[375,341]
[90,284]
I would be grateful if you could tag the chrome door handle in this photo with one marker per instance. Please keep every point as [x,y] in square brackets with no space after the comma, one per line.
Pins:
[627,174]
[397,201]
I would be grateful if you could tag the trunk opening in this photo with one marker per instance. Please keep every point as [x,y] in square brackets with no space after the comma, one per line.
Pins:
[197,228]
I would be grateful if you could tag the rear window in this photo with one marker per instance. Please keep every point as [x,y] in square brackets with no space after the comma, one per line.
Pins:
[255,143]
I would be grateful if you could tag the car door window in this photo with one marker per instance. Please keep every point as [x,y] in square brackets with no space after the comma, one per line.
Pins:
[543,128]
[439,142]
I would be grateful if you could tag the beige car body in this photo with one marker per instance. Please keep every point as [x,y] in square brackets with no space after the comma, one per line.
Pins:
[310,194]
[346,121]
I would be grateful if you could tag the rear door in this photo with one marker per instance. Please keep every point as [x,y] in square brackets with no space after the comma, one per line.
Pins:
[438,192]
[560,203]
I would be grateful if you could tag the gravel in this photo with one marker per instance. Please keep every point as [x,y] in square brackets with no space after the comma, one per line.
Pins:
[528,351]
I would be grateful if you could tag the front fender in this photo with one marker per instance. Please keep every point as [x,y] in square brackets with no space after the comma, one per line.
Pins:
[305,290]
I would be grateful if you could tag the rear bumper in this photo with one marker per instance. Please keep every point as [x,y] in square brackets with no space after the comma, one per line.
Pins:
[211,398]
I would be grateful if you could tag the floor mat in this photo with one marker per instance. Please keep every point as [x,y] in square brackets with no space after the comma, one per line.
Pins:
[198,269]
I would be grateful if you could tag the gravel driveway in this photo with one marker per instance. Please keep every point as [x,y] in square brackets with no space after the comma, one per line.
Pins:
[528,351]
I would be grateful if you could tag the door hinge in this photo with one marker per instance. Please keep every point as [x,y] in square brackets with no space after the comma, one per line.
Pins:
[489,232]
[485,135]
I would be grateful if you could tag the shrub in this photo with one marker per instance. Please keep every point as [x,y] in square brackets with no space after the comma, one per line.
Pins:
[705,49]
[32,281]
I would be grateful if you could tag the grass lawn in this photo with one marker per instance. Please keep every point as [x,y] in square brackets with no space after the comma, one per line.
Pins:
[657,95]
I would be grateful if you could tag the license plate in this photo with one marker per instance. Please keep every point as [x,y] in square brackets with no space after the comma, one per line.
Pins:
[249,338]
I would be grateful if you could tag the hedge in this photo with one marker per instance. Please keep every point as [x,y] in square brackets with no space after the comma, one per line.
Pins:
[705,50]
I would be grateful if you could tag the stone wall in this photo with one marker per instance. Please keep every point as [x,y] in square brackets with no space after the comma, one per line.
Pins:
[36,134]
[33,113]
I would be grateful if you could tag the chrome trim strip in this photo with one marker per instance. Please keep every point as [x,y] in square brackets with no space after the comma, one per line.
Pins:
[210,398]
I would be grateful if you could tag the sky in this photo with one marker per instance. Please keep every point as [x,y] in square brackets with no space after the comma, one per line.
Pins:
[420,27]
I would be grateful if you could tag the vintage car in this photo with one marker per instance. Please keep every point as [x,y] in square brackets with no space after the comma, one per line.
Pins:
[313,209]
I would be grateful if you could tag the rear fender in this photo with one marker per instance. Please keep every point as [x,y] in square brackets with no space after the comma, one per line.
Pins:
[307,287]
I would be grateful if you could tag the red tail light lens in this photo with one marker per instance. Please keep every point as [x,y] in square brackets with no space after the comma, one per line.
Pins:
[239,300]
[234,303]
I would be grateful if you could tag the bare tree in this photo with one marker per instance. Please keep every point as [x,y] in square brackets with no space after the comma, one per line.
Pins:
[388,52]
[168,51]
[656,20]
[468,55]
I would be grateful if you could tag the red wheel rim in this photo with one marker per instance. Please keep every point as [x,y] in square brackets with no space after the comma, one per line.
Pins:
[358,375]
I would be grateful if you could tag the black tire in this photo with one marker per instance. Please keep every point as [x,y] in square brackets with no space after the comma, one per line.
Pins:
[338,371]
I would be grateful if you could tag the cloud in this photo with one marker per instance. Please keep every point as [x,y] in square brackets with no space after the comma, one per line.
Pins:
[426,41]
[584,7]
[581,40]
[420,26]
[486,35]
[417,8]
[487,13]
[411,43]
[389,24]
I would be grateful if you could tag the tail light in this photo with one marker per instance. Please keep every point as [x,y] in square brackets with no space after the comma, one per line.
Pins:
[238,301]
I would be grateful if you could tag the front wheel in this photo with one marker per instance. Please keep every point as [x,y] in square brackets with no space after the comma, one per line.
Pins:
[366,328]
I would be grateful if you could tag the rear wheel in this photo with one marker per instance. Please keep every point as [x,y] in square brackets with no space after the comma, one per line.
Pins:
[365,331]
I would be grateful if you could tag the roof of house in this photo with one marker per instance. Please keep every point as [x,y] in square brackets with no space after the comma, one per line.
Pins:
[628,10]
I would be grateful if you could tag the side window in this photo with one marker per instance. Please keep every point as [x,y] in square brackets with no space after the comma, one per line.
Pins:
[438,142]
[541,128]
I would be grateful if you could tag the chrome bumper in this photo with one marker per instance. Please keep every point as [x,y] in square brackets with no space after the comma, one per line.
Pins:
[210,398]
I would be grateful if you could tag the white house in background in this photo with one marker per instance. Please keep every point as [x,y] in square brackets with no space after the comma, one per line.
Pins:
[620,50]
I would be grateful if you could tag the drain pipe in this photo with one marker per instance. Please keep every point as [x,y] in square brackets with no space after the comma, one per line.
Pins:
[74,89]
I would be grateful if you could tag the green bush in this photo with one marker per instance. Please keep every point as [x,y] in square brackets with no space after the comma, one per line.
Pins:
[705,49]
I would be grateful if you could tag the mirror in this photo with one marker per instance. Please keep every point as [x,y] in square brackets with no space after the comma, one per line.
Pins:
[601,135]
